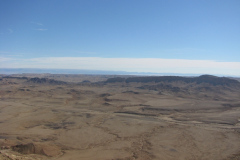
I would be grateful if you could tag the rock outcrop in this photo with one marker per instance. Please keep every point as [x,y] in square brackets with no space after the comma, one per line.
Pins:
[45,81]
[213,80]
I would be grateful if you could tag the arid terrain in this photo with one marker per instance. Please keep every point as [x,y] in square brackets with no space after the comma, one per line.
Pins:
[70,117]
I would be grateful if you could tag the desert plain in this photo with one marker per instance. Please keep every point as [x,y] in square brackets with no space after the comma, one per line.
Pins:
[104,117]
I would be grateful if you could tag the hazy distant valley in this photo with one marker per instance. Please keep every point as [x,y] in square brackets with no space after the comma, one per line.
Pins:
[106,117]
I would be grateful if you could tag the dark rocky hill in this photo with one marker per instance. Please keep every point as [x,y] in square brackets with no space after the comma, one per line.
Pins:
[45,81]
[209,79]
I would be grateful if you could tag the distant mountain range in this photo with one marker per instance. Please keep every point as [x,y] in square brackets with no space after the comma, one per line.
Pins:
[90,72]
[213,80]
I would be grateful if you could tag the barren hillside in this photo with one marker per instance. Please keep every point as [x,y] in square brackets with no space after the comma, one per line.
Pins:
[119,118]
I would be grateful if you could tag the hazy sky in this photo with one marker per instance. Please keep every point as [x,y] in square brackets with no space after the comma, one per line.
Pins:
[177,36]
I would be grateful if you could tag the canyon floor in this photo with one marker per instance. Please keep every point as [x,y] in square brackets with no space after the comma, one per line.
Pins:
[69,117]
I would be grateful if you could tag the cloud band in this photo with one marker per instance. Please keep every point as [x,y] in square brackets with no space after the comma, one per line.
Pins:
[154,65]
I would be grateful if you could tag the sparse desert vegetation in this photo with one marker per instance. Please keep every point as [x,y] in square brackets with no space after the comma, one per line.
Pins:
[85,117]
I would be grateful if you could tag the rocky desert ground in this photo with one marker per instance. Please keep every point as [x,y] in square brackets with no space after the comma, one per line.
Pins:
[69,117]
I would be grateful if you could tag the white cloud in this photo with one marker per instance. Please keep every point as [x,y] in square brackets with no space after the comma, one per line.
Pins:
[10,30]
[4,59]
[41,29]
[10,54]
[37,23]
[4,52]
[155,65]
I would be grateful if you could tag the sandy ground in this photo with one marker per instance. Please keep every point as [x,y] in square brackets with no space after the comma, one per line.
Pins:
[116,122]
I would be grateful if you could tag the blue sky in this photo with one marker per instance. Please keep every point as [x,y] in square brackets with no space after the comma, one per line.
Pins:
[39,34]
